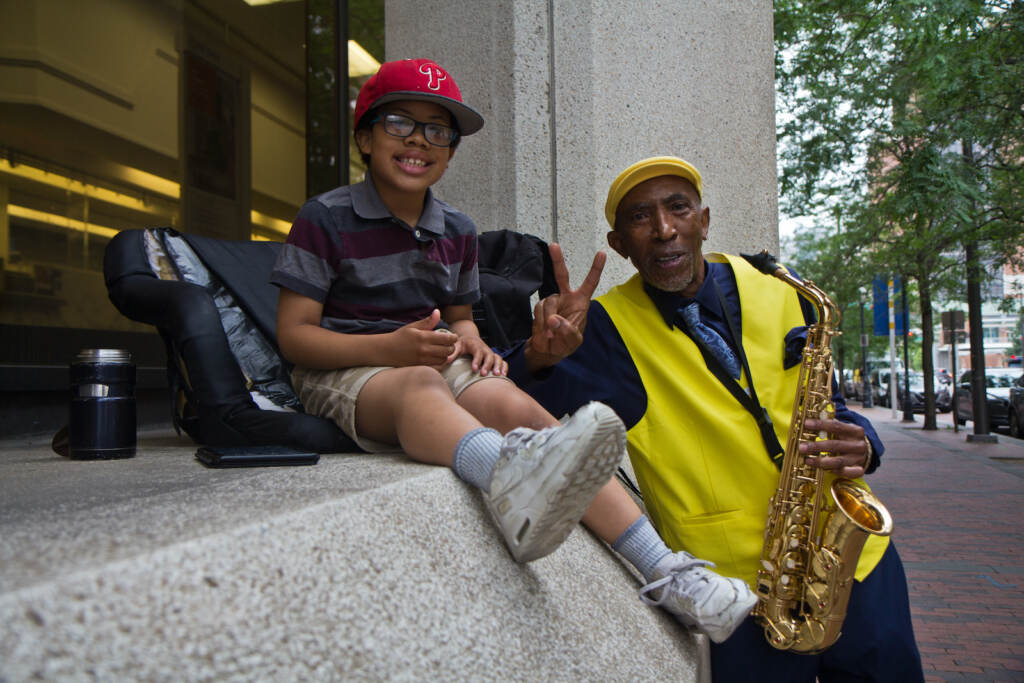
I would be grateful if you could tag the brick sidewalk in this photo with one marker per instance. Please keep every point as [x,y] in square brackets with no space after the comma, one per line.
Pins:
[958,509]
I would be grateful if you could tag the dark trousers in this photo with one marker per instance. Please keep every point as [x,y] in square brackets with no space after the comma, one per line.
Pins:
[877,643]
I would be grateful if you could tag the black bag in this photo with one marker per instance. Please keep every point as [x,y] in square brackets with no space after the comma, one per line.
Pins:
[513,266]
[215,309]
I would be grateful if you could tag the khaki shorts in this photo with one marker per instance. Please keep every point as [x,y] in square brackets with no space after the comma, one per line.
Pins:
[334,393]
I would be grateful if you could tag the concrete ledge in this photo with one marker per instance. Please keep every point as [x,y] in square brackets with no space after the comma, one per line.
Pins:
[361,567]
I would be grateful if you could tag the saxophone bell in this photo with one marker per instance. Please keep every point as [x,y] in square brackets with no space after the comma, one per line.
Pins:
[862,507]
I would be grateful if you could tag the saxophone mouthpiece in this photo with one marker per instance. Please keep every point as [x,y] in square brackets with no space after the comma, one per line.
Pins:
[763,261]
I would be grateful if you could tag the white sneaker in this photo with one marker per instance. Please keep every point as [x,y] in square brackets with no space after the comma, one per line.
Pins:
[544,480]
[713,604]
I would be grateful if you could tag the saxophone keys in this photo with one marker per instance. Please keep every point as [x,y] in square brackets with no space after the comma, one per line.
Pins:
[793,563]
[825,564]
[780,635]
[798,516]
[812,631]
[787,587]
[819,598]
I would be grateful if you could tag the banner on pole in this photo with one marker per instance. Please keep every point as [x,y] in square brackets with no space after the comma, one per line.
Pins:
[880,309]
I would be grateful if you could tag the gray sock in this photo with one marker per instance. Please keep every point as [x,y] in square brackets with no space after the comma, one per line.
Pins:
[642,546]
[475,455]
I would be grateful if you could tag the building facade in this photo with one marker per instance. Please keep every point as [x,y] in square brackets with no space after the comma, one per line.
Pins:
[220,117]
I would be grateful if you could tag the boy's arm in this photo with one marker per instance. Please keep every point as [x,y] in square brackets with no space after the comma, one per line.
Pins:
[460,321]
[305,343]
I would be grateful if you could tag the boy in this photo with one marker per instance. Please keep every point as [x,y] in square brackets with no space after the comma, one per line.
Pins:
[377,284]
[375,310]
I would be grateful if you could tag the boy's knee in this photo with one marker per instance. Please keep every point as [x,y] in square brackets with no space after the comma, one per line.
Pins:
[512,407]
[522,403]
[421,377]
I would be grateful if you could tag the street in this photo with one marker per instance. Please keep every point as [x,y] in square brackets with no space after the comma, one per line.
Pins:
[957,511]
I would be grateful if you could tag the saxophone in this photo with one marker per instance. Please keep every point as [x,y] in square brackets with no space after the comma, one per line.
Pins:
[814,533]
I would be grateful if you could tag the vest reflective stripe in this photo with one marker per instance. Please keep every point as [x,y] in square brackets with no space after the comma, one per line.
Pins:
[697,453]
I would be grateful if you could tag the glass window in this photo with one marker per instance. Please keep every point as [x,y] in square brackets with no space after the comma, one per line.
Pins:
[120,116]
[366,51]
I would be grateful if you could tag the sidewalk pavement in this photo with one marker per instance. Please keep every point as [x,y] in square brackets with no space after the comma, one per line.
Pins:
[957,508]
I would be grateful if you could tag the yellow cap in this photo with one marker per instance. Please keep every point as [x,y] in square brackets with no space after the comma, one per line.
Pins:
[645,170]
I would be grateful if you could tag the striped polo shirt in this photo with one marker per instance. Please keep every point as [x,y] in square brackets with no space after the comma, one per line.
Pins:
[371,271]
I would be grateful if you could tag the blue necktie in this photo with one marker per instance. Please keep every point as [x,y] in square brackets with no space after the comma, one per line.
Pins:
[712,341]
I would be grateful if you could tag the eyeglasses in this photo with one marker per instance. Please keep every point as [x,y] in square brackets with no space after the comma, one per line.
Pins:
[400,126]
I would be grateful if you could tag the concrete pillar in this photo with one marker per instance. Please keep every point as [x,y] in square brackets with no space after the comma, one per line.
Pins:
[573,92]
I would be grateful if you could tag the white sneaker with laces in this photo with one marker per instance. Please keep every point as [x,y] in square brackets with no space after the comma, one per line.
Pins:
[545,480]
[698,597]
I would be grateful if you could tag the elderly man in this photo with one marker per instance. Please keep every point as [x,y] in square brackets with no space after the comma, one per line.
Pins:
[699,355]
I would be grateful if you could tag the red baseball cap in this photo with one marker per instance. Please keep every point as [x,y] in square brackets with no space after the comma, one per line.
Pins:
[416,79]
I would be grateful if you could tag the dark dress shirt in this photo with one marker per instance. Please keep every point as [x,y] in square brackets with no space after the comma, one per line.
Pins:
[602,370]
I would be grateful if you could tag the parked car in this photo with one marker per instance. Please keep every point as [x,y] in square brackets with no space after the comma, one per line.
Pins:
[849,386]
[1016,416]
[880,387]
[943,394]
[943,397]
[997,383]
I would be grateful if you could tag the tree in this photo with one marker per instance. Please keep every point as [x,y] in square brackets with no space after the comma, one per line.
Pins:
[907,117]
[818,255]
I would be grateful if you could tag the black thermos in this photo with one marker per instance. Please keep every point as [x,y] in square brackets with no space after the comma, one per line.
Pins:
[101,424]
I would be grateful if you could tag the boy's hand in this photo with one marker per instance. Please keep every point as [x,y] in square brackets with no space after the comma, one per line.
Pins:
[485,360]
[559,320]
[418,343]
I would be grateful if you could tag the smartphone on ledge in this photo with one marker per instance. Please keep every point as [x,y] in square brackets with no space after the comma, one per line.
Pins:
[254,456]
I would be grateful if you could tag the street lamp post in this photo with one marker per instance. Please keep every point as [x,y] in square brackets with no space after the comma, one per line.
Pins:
[865,396]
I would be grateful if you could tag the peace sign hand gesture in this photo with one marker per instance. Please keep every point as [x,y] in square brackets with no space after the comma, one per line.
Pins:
[559,320]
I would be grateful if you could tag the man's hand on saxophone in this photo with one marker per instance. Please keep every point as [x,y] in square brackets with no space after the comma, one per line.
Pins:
[846,454]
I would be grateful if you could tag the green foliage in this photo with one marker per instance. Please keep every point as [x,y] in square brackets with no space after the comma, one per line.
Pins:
[323,137]
[366,25]
[904,118]
[878,101]
[322,172]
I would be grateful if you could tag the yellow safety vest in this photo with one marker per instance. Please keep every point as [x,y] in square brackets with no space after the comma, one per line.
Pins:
[697,453]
